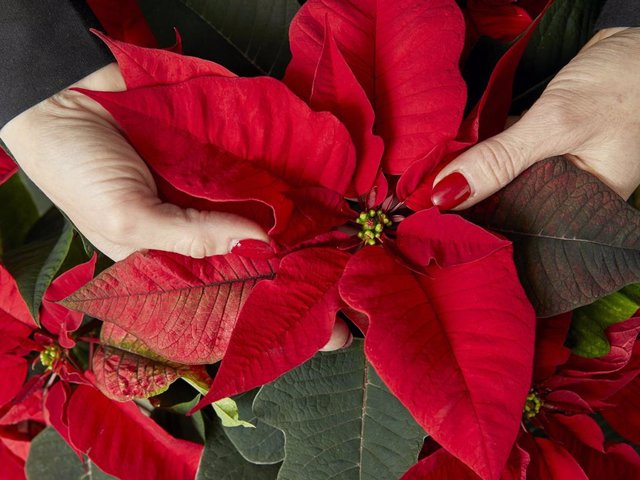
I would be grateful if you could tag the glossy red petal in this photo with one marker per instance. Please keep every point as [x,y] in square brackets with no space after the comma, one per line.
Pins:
[448,240]
[145,67]
[181,308]
[7,167]
[123,20]
[501,22]
[14,371]
[550,461]
[395,49]
[124,442]
[455,346]
[54,317]
[284,322]
[336,90]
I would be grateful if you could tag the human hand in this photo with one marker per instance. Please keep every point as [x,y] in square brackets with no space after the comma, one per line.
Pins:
[589,112]
[73,151]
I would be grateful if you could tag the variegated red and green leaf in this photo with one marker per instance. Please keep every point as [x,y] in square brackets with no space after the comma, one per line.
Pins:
[185,309]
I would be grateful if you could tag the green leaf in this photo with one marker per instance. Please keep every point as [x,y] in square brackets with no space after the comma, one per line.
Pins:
[221,461]
[264,444]
[250,37]
[565,28]
[590,322]
[227,411]
[339,420]
[51,458]
[35,263]
[17,215]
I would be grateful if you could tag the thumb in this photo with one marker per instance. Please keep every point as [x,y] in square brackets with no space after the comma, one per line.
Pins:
[492,164]
[192,232]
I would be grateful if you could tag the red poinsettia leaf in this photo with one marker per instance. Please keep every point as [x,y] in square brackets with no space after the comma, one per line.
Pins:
[7,167]
[12,305]
[129,444]
[598,460]
[123,19]
[336,90]
[485,120]
[12,465]
[448,240]
[550,461]
[566,400]
[624,415]
[145,67]
[504,21]
[54,317]
[551,333]
[55,408]
[417,91]
[14,371]
[184,309]
[284,322]
[125,369]
[440,465]
[460,353]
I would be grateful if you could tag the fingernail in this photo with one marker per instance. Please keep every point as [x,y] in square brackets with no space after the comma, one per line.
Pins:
[451,191]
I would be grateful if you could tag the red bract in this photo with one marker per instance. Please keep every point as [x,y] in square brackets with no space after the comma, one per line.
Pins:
[77,412]
[498,19]
[566,390]
[449,327]
[7,167]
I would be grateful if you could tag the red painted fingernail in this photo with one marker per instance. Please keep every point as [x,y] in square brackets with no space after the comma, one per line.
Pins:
[451,191]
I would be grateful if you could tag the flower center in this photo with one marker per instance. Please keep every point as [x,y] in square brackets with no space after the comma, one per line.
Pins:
[373,224]
[49,356]
[533,405]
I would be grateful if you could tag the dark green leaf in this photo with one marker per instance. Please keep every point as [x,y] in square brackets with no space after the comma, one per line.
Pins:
[264,444]
[250,37]
[17,214]
[35,263]
[564,29]
[575,240]
[339,420]
[51,458]
[589,323]
[221,461]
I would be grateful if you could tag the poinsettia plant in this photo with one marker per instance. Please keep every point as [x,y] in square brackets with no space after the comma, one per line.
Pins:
[334,155]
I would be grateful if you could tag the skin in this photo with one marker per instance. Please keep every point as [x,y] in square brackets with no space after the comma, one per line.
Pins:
[588,112]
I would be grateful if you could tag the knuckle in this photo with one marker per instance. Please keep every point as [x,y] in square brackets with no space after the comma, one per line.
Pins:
[500,164]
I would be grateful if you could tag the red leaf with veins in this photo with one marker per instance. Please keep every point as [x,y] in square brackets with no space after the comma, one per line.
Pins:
[336,90]
[128,444]
[448,240]
[14,371]
[54,317]
[12,466]
[12,305]
[284,322]
[440,465]
[550,461]
[235,139]
[395,49]
[144,67]
[624,416]
[183,308]
[461,350]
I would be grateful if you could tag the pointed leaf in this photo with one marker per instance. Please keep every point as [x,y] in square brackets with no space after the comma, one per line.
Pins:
[183,309]
[123,19]
[34,264]
[51,457]
[129,444]
[440,465]
[250,37]
[263,445]
[221,461]
[461,351]
[340,420]
[124,373]
[575,240]
[395,51]
[284,322]
[551,461]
